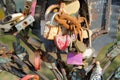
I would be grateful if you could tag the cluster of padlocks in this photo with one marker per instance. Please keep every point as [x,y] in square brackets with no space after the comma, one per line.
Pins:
[63,31]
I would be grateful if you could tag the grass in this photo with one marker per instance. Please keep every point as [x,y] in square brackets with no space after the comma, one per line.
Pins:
[113,65]
[118,38]
[7,76]
[7,40]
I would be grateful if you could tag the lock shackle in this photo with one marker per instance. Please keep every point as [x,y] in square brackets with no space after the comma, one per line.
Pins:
[53,16]
[49,9]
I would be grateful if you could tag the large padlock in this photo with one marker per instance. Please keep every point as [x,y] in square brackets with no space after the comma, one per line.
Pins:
[51,28]
[71,7]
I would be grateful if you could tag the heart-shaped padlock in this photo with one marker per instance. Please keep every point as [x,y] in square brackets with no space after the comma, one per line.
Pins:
[62,41]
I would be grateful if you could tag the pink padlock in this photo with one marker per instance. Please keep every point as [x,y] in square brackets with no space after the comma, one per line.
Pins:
[74,58]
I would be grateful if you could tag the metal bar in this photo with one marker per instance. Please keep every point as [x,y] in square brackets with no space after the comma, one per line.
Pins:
[107,65]
[43,52]
[25,41]
[110,76]
[56,72]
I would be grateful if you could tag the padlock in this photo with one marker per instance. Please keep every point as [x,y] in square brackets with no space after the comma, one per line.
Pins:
[10,21]
[11,18]
[30,76]
[72,7]
[27,7]
[37,60]
[97,72]
[6,27]
[24,23]
[74,58]
[51,29]
[62,41]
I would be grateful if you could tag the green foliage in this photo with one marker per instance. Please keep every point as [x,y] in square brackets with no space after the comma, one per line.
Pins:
[7,39]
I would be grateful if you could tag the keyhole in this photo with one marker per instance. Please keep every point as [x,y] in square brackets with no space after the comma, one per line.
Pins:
[25,23]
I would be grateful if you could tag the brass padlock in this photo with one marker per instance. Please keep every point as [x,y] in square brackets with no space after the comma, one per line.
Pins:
[70,8]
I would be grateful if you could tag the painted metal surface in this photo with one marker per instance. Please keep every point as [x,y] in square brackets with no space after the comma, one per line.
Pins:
[104,17]
[96,12]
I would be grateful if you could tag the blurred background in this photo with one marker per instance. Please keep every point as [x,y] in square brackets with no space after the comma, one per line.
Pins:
[8,39]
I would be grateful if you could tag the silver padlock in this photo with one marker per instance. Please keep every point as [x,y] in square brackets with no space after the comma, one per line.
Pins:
[51,28]
[9,21]
[11,18]
[24,23]
[6,27]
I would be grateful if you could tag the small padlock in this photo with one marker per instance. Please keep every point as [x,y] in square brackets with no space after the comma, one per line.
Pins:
[51,30]
[24,23]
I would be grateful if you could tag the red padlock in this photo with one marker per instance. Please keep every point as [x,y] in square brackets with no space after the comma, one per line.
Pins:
[37,61]
[30,76]
[62,41]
